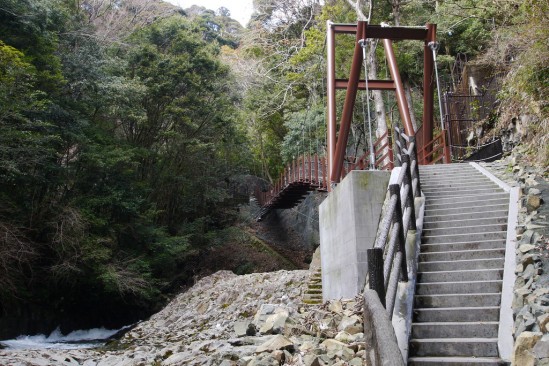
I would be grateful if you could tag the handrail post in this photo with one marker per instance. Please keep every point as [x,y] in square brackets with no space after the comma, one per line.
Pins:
[409,200]
[397,217]
[415,172]
[403,145]
[375,272]
[398,149]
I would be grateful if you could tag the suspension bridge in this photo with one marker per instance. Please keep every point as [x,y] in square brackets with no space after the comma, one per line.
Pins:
[437,253]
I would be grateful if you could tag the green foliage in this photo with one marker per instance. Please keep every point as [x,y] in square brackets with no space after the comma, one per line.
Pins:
[114,157]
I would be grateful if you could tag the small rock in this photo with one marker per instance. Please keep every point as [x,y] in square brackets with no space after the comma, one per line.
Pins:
[541,349]
[526,248]
[275,343]
[227,363]
[311,360]
[532,202]
[357,361]
[202,307]
[523,345]
[336,307]
[241,328]
[528,272]
[306,346]
[347,322]
[274,323]
[543,322]
[251,330]
[333,345]
[527,237]
[344,337]
[279,356]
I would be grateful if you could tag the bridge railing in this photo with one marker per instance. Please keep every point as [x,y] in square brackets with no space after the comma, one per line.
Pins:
[387,259]
[435,151]
[311,170]
[308,169]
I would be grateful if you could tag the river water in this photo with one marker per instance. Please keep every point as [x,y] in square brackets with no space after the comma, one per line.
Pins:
[77,339]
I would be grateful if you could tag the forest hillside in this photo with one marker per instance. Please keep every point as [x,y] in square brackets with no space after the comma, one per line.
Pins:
[130,130]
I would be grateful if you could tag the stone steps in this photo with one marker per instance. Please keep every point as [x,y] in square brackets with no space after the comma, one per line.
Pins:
[489,212]
[459,265]
[452,276]
[460,270]
[455,347]
[313,294]
[467,245]
[455,361]
[456,330]
[444,211]
[482,221]
[457,300]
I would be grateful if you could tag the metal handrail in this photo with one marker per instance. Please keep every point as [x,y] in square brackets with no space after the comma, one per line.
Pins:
[387,259]
[440,150]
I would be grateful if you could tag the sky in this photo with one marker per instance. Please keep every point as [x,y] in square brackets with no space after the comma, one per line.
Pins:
[241,10]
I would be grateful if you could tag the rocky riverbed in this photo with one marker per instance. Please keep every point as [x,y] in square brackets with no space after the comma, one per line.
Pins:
[225,319]
[531,290]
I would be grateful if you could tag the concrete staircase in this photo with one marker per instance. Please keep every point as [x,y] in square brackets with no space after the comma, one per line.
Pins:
[313,294]
[460,271]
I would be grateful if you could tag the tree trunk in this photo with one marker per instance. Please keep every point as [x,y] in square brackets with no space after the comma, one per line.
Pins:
[379,105]
[408,93]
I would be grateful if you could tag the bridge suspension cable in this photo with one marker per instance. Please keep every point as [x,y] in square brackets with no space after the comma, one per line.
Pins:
[363,44]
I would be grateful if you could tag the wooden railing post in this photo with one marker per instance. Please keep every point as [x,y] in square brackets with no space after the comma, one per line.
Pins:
[409,199]
[394,189]
[398,151]
[415,172]
[375,272]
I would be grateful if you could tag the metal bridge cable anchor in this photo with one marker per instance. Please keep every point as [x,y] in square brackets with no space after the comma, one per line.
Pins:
[434,46]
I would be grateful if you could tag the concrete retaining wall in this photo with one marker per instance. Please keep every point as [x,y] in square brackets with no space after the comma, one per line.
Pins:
[348,223]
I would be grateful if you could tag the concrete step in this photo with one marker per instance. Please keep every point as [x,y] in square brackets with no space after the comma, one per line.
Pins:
[460,238]
[461,265]
[468,245]
[449,177]
[452,182]
[458,229]
[457,314]
[471,287]
[460,276]
[455,184]
[480,221]
[462,255]
[455,330]
[445,166]
[434,194]
[473,204]
[457,300]
[448,213]
[473,200]
[314,291]
[477,347]
[450,172]
[455,361]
